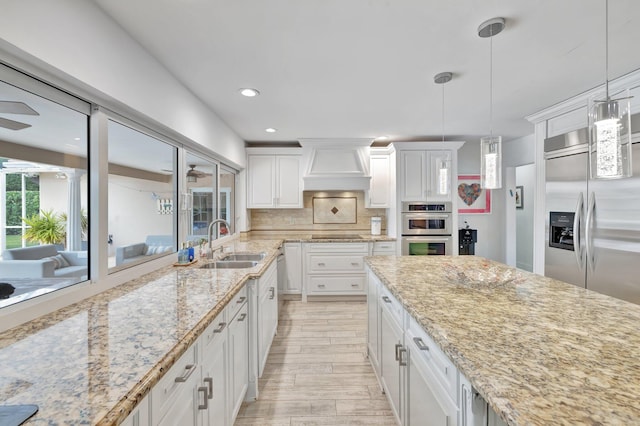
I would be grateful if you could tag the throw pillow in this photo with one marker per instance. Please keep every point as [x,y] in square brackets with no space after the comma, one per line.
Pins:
[59,261]
[152,250]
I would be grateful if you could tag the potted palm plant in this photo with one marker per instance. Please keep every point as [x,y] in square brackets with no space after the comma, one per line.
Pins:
[46,227]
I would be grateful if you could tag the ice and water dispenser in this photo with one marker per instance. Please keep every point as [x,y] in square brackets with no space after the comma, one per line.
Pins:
[561,230]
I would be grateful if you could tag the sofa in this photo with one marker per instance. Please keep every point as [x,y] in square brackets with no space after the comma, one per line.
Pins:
[44,261]
[152,246]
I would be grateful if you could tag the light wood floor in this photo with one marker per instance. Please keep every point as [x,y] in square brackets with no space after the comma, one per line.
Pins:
[317,372]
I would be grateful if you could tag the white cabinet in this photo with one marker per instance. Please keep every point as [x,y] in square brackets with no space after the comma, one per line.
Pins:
[267,314]
[392,356]
[383,248]
[293,281]
[380,189]
[175,395]
[274,181]
[215,360]
[373,320]
[334,269]
[238,359]
[421,175]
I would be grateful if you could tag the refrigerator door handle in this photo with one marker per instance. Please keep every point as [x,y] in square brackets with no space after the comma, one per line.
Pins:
[591,209]
[577,234]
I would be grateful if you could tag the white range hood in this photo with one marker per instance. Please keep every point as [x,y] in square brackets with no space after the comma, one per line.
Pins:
[336,164]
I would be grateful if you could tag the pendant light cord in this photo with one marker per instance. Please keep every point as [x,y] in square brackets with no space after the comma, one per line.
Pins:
[491,82]
[606,48]
[442,112]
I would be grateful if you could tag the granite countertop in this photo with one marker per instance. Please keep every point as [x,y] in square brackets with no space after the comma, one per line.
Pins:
[92,362]
[539,350]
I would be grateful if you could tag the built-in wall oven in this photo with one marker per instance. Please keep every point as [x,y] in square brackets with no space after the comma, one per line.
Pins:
[426,228]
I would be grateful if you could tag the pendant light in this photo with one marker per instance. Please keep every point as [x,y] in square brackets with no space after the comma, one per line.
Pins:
[443,186]
[491,146]
[609,128]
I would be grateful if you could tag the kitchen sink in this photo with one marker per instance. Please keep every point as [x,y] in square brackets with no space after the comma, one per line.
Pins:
[243,256]
[229,264]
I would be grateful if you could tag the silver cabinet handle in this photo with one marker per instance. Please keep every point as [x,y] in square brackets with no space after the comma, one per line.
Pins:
[355,264]
[189,369]
[209,382]
[241,300]
[205,404]
[321,264]
[273,292]
[321,286]
[386,299]
[398,346]
[402,360]
[221,327]
[355,285]
[420,344]
[242,317]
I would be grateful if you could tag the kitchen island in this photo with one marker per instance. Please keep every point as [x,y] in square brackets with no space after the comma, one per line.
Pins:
[94,361]
[540,351]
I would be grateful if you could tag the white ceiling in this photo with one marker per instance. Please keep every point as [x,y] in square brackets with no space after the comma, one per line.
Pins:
[365,68]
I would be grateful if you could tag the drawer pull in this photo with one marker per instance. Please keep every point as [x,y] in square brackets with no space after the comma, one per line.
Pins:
[420,344]
[321,264]
[321,286]
[355,285]
[402,361]
[221,327]
[355,264]
[205,404]
[242,317]
[209,382]
[189,369]
[386,299]
[398,346]
[241,300]
[272,290]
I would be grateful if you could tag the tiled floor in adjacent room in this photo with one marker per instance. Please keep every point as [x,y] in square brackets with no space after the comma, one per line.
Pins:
[317,372]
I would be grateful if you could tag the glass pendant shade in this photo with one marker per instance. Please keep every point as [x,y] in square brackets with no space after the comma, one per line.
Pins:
[491,162]
[610,137]
[444,181]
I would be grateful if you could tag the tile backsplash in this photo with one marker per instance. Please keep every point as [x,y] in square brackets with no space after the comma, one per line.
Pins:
[303,219]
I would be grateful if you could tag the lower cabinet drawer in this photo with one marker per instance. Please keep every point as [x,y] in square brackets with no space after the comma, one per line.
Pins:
[237,302]
[320,284]
[173,383]
[329,263]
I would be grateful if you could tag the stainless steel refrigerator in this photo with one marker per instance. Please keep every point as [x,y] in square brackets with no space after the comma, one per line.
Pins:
[592,226]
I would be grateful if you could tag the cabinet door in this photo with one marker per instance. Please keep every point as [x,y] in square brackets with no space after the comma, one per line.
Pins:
[214,375]
[390,344]
[185,410]
[414,175]
[293,254]
[379,195]
[238,359]
[423,405]
[264,341]
[289,192]
[373,323]
[439,179]
[261,181]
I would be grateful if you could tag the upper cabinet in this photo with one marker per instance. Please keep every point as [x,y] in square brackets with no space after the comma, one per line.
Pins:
[274,178]
[421,172]
[382,180]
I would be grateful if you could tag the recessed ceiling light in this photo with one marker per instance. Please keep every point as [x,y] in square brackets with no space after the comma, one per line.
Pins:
[76,139]
[249,92]
[270,130]
[382,138]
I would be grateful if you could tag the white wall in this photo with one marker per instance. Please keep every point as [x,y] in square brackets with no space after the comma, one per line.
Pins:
[95,54]
[525,177]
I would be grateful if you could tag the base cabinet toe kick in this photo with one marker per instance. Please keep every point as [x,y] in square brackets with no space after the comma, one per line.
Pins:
[421,383]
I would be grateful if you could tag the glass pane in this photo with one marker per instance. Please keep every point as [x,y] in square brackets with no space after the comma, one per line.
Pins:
[43,191]
[227,196]
[202,182]
[142,197]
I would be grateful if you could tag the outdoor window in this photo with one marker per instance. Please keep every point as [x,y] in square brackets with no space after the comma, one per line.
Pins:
[227,195]
[43,188]
[202,184]
[142,197]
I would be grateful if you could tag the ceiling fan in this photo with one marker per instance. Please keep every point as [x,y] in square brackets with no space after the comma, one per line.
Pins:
[12,107]
[193,174]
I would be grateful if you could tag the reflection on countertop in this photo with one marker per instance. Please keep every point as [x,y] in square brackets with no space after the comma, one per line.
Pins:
[91,362]
[539,350]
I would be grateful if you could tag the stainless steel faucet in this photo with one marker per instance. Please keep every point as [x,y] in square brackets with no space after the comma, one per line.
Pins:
[210,231]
